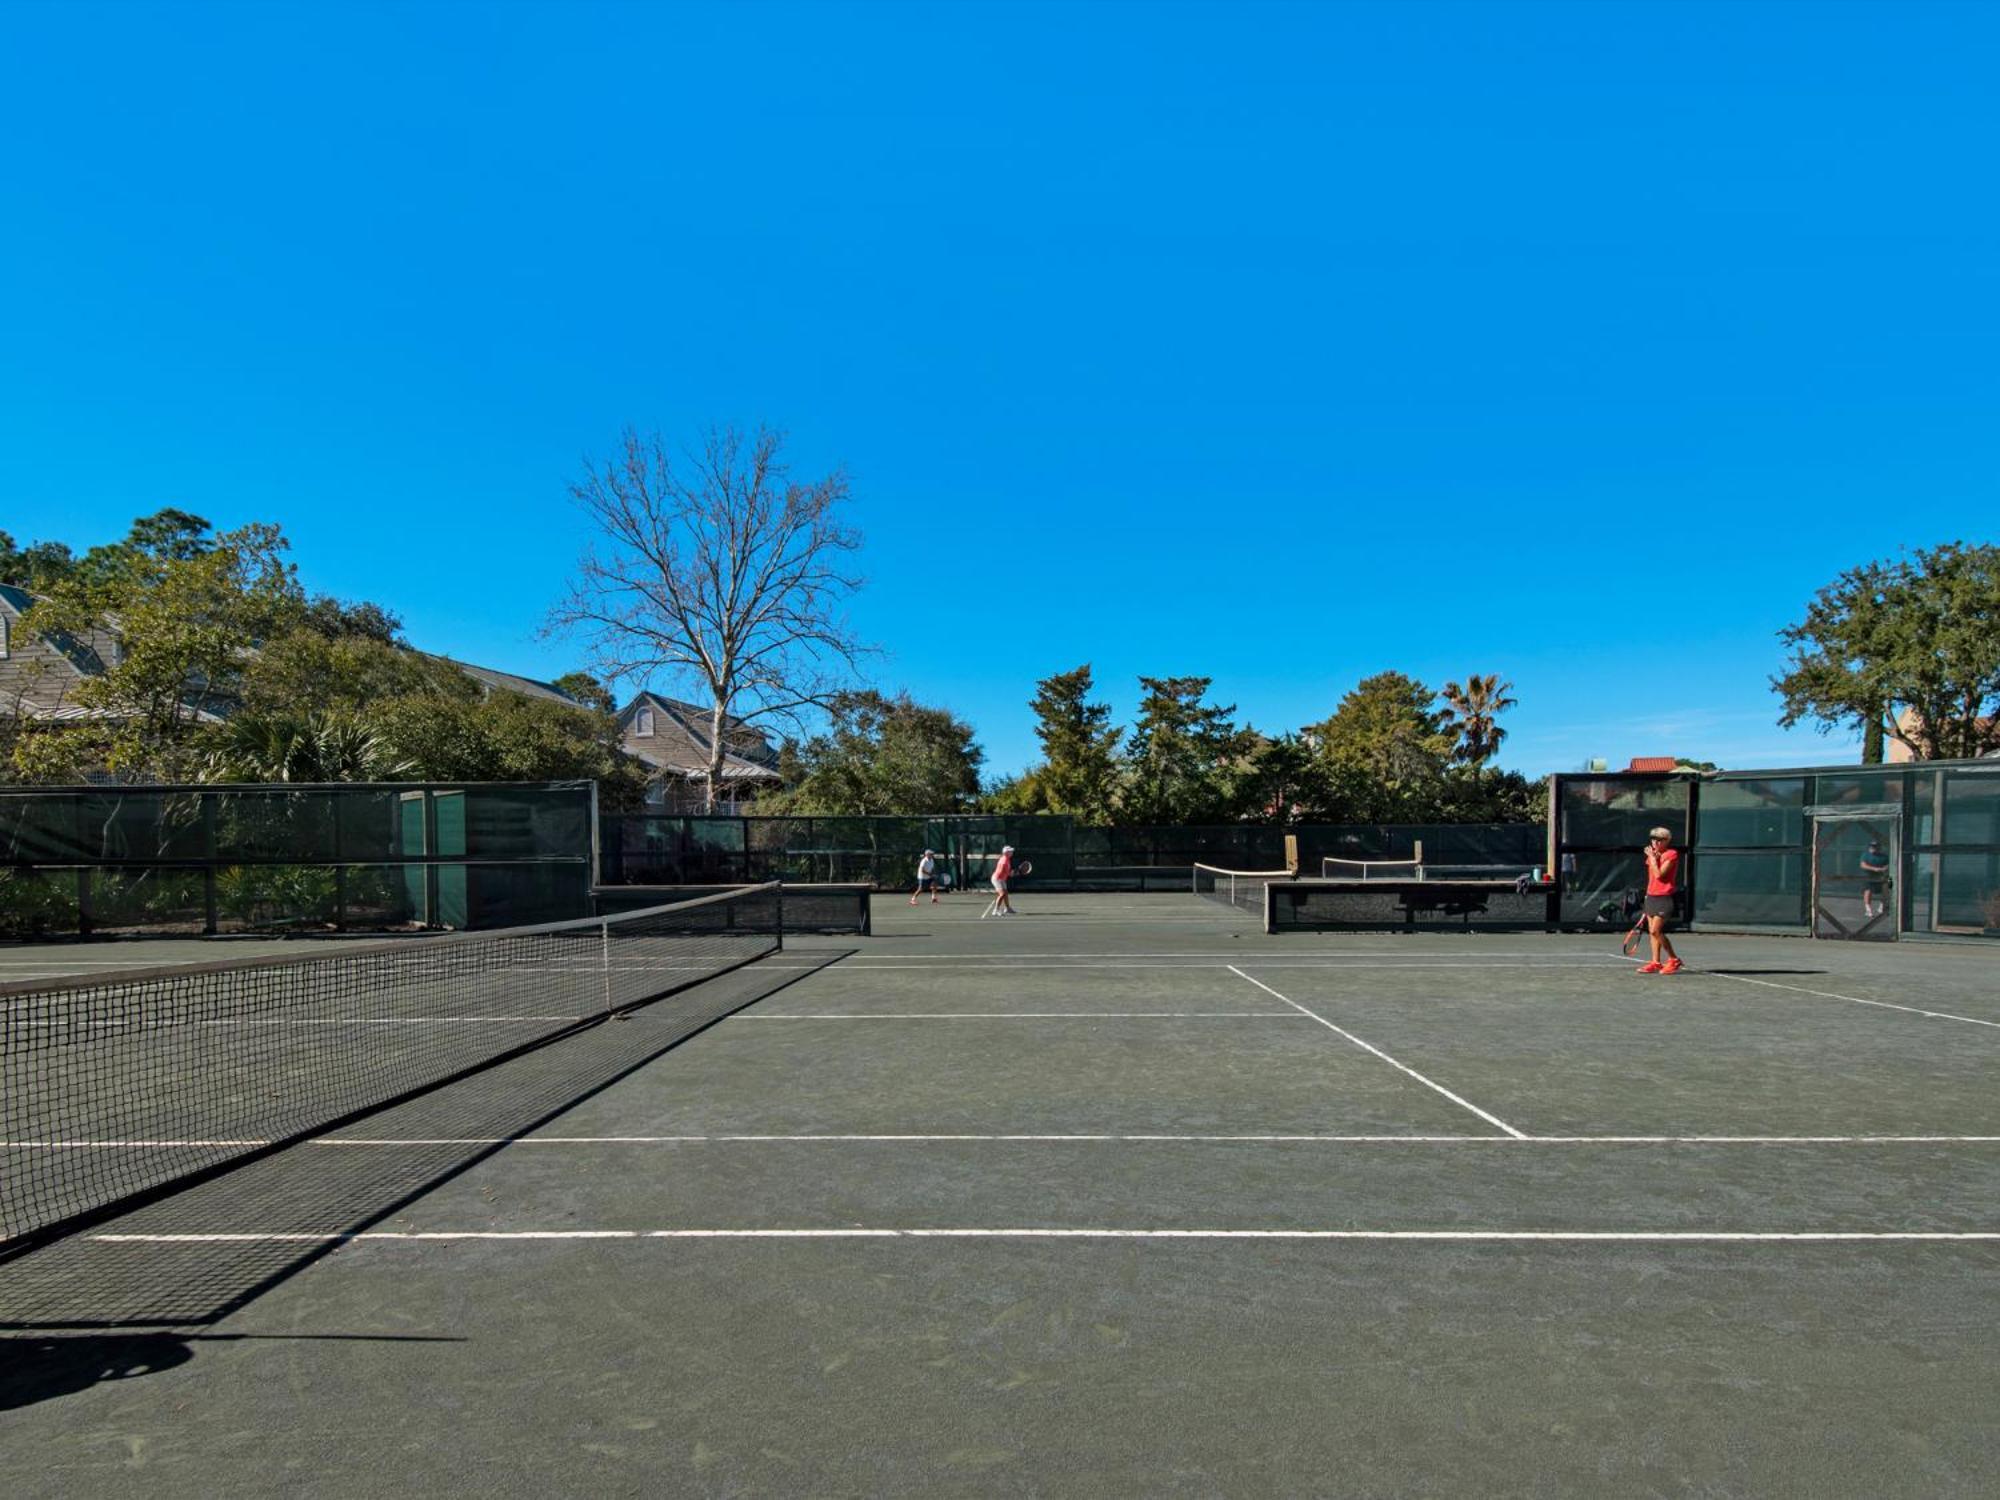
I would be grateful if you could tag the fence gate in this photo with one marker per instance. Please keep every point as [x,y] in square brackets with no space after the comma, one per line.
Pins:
[1856,854]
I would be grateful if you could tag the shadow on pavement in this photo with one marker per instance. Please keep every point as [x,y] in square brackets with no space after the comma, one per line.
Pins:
[45,1366]
[320,1195]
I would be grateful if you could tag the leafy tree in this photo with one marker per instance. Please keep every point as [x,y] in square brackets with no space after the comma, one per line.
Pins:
[1908,650]
[342,673]
[507,737]
[37,567]
[338,619]
[588,691]
[882,755]
[1024,794]
[1185,758]
[1283,780]
[153,544]
[58,754]
[1472,713]
[185,616]
[717,568]
[153,541]
[1484,794]
[1080,772]
[1385,751]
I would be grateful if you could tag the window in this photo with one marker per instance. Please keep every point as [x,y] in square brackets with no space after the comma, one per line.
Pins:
[6,637]
[643,724]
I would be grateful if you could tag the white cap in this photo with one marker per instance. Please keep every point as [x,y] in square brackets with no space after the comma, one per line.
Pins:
[1006,848]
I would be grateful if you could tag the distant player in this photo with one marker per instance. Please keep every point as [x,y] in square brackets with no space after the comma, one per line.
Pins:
[927,878]
[1874,879]
[1003,875]
[1663,882]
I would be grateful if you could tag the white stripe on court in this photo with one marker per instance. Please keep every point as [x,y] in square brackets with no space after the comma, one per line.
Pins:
[1935,1015]
[1446,1236]
[1213,957]
[1369,1047]
[1050,1137]
[1207,961]
[1164,1138]
[1034,1015]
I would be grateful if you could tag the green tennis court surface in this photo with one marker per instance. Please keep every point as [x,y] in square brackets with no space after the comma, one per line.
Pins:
[1118,1197]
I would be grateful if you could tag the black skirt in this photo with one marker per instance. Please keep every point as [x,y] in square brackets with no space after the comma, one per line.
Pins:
[1659,906]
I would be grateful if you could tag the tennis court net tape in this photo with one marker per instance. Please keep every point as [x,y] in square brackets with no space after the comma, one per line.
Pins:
[194,1068]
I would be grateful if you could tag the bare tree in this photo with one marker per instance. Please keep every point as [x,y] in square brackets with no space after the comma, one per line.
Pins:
[716,568]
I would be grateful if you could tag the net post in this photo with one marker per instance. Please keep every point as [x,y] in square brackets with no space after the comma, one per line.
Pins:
[604,959]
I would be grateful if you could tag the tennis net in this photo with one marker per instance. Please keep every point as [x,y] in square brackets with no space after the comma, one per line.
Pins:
[1331,868]
[116,1087]
[1241,888]
[1421,869]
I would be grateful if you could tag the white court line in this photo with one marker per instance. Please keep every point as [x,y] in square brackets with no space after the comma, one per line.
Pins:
[1208,961]
[1035,1137]
[1036,1015]
[1574,1236]
[1052,1137]
[1368,1047]
[1002,955]
[1935,1015]
[1156,1137]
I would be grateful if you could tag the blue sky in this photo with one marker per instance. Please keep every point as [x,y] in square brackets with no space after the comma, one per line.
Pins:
[1277,344]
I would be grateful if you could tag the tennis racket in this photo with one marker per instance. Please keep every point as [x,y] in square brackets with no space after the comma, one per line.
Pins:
[1635,906]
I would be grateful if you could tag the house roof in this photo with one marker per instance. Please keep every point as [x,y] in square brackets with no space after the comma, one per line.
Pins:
[494,680]
[679,743]
[1653,763]
[82,657]
[87,661]
[71,713]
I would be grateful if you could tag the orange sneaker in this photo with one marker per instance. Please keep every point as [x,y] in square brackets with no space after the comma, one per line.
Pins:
[1650,968]
[1671,966]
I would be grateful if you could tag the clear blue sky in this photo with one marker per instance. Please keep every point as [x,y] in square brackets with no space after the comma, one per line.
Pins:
[1277,344]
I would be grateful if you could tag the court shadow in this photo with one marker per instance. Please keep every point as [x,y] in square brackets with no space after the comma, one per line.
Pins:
[173,1262]
[47,1366]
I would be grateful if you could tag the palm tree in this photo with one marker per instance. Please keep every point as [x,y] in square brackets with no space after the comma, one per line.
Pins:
[1472,712]
[312,747]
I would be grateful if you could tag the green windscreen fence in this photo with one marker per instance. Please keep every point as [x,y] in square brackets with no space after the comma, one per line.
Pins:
[167,860]
[687,849]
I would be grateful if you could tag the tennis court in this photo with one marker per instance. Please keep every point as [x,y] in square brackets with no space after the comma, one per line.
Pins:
[1121,1196]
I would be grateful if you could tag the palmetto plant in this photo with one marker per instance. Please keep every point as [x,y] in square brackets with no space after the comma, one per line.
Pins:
[311,747]
[1472,712]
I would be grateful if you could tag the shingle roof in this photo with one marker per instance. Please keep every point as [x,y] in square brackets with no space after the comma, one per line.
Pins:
[507,682]
[679,746]
[81,655]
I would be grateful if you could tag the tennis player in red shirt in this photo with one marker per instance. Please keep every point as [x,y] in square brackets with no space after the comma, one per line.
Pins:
[1663,879]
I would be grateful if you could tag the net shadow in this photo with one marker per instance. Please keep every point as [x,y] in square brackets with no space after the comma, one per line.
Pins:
[324,1194]
[47,1366]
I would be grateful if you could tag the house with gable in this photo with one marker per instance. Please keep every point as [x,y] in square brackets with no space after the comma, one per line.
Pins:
[40,671]
[672,739]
